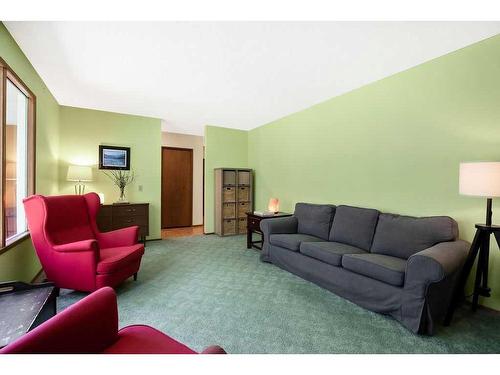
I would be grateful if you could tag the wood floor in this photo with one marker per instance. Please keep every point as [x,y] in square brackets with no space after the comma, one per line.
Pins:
[182,232]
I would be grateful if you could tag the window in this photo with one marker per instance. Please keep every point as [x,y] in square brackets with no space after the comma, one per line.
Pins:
[17,153]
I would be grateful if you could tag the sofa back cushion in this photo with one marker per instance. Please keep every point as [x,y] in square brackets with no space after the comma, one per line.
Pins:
[403,236]
[314,219]
[354,226]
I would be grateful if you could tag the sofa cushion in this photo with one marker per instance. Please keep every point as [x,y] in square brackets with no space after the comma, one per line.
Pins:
[328,252]
[390,270]
[314,219]
[354,226]
[403,236]
[291,241]
[114,259]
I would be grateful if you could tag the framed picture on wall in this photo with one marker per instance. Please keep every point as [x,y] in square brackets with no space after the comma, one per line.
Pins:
[113,157]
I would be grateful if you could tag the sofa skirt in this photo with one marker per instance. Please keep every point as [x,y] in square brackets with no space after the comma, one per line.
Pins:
[414,312]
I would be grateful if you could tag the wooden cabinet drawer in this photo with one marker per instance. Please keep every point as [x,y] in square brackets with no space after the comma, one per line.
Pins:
[242,225]
[243,209]
[229,210]
[105,211]
[229,226]
[124,221]
[113,217]
[105,223]
[243,193]
[130,210]
[229,194]
[105,218]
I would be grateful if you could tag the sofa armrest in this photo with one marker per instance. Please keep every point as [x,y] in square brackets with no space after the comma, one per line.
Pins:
[437,262]
[275,225]
[88,326]
[119,237]
[78,246]
[279,225]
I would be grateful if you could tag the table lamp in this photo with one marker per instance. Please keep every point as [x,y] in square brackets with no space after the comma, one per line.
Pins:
[79,174]
[479,179]
[273,205]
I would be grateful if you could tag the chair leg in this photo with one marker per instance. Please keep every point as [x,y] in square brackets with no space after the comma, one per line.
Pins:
[135,276]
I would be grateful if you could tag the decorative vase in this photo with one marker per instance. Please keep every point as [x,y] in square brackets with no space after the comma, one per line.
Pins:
[121,179]
[123,198]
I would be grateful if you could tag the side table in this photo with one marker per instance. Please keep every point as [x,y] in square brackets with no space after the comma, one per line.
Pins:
[253,226]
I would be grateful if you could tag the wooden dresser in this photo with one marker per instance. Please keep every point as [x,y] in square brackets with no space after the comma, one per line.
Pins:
[116,216]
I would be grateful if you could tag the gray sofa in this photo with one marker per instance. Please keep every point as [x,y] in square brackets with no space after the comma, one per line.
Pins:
[402,266]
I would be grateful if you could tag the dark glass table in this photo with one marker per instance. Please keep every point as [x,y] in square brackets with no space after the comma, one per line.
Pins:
[24,307]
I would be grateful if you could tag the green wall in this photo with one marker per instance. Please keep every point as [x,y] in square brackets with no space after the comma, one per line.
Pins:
[223,148]
[394,145]
[83,130]
[21,262]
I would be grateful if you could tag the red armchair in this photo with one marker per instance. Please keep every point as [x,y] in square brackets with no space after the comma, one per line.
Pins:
[73,253]
[91,326]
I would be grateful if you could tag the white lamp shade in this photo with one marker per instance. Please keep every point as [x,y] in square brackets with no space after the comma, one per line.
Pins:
[79,173]
[481,179]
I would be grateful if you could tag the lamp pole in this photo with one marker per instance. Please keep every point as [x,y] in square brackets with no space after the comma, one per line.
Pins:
[489,212]
[480,249]
[479,179]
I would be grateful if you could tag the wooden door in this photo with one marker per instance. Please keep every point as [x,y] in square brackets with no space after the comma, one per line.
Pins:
[176,187]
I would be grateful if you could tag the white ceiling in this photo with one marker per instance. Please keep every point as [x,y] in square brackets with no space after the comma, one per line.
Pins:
[233,74]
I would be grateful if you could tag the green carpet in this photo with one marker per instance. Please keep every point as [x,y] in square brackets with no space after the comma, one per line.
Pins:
[206,290]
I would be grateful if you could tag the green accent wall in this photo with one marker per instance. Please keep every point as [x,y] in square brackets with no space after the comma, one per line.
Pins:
[223,148]
[20,262]
[83,130]
[394,145]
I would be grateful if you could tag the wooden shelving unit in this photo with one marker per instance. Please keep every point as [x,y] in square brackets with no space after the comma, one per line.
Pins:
[233,199]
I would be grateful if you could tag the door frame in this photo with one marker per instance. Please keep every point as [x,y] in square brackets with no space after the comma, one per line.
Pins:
[190,150]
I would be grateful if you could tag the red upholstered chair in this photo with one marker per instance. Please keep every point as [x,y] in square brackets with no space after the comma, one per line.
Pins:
[91,326]
[73,253]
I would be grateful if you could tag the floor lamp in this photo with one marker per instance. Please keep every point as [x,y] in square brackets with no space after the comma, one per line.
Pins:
[480,179]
